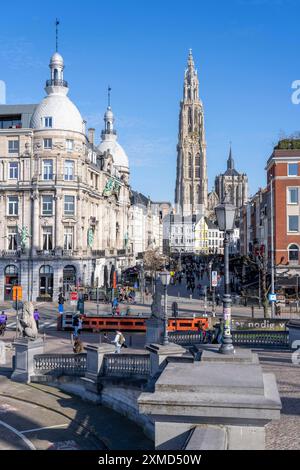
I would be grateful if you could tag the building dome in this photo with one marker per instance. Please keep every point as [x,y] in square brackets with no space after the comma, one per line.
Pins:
[56,111]
[64,114]
[117,152]
[56,59]
[109,142]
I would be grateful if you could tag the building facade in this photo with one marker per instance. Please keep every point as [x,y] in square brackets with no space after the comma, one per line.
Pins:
[191,177]
[283,179]
[233,184]
[64,203]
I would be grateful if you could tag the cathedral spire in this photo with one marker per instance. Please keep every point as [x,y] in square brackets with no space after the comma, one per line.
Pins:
[230,161]
[191,64]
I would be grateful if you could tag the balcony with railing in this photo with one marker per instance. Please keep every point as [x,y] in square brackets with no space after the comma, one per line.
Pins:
[47,253]
[57,82]
[10,253]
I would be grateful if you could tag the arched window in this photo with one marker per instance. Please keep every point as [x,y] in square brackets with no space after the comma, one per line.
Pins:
[293,253]
[190,161]
[11,269]
[55,74]
[45,269]
[198,194]
[190,119]
[197,166]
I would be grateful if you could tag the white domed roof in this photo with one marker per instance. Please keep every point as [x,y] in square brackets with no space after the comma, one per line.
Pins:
[116,150]
[65,115]
[56,59]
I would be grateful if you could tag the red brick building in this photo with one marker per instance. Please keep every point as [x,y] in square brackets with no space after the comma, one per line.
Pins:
[283,167]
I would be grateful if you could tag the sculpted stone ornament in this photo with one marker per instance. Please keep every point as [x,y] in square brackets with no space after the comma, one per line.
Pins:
[27,325]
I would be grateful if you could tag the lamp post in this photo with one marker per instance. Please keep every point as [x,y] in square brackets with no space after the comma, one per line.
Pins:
[225,214]
[165,280]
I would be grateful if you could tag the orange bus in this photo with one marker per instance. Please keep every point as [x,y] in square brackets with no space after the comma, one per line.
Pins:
[132,323]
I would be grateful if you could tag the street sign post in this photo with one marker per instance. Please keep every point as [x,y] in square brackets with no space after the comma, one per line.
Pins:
[73,298]
[214,278]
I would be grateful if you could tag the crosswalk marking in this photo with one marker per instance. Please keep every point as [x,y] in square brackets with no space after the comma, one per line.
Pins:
[43,325]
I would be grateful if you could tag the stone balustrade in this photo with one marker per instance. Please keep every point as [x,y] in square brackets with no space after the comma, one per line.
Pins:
[60,364]
[126,365]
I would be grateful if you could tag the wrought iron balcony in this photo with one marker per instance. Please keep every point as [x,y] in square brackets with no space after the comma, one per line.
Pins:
[56,82]
[10,253]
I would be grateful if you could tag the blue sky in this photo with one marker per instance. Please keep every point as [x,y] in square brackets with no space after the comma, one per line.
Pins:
[246,53]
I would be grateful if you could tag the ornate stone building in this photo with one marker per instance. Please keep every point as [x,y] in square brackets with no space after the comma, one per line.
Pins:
[191,179]
[64,203]
[233,183]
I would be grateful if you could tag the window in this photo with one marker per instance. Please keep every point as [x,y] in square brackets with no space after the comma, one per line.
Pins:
[47,205]
[69,170]
[13,146]
[68,238]
[292,169]
[13,171]
[47,143]
[292,195]
[69,205]
[13,205]
[47,239]
[69,144]
[12,238]
[293,223]
[293,253]
[48,121]
[47,169]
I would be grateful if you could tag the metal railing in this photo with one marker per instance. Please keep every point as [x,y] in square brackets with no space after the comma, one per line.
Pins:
[126,365]
[57,82]
[185,338]
[60,364]
[10,253]
[261,338]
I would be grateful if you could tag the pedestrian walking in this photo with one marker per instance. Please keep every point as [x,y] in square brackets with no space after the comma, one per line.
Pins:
[77,324]
[61,301]
[118,341]
[36,316]
[3,321]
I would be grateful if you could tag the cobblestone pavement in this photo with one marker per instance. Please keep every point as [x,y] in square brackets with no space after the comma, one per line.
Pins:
[284,434]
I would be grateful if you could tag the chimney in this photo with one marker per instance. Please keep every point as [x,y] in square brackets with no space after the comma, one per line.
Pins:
[91,135]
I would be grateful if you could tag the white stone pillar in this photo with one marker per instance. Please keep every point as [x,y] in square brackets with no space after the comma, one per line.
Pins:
[36,219]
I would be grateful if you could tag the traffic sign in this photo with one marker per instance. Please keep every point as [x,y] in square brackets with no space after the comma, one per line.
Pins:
[74,296]
[17,293]
[214,278]
[272,297]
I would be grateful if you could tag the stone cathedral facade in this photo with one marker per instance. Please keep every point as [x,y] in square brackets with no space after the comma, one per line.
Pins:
[191,179]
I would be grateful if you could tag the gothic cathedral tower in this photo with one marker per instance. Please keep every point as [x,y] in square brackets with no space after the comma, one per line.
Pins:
[191,178]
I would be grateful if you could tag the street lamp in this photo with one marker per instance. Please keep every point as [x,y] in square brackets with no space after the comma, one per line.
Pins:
[165,280]
[225,214]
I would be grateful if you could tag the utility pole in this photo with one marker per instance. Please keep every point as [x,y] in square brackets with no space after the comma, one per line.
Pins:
[272,250]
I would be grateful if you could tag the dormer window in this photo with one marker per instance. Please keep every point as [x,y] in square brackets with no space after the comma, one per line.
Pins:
[47,121]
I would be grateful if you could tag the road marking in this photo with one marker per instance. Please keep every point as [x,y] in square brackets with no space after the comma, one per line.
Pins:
[45,427]
[19,434]
[11,325]
[5,408]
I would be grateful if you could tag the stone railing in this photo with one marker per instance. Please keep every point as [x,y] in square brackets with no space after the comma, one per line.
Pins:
[60,364]
[126,365]
[185,338]
[261,338]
